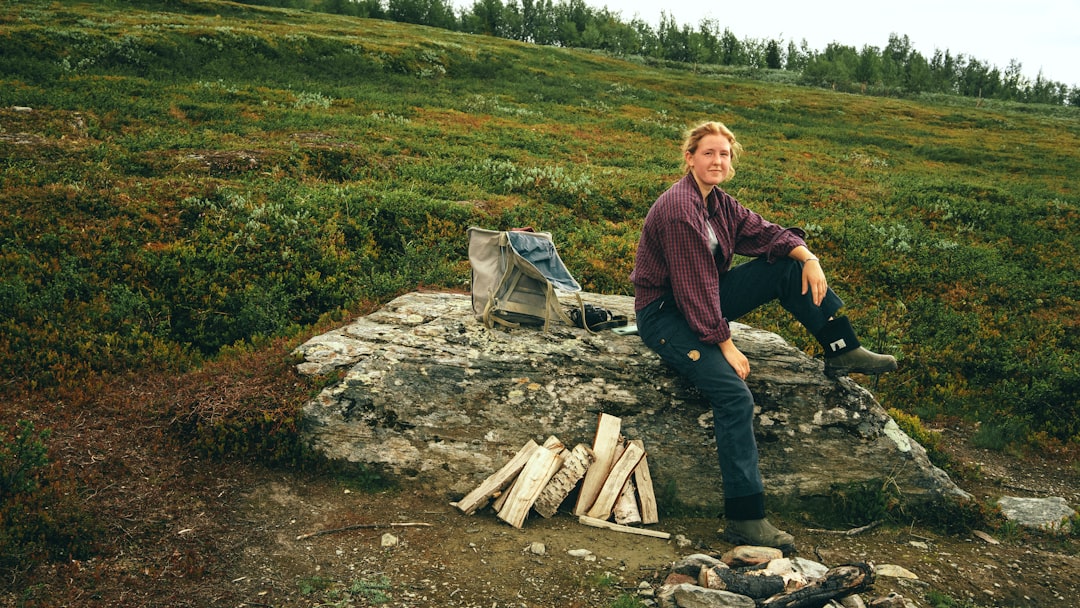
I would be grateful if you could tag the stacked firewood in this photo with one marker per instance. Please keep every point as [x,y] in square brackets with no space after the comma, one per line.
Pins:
[613,476]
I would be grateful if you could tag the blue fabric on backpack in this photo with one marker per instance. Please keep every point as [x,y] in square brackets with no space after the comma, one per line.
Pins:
[541,253]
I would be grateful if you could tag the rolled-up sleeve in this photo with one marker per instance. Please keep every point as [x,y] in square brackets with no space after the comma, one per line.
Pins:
[752,235]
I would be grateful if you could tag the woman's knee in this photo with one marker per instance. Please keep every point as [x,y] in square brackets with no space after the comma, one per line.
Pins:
[733,408]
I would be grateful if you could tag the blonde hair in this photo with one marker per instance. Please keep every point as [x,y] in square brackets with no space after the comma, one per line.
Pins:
[695,135]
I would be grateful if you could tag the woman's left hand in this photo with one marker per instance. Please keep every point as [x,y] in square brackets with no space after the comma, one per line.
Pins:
[813,278]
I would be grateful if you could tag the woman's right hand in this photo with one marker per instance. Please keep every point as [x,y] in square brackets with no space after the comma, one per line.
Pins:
[735,358]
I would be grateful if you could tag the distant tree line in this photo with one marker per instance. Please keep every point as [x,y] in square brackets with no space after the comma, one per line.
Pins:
[896,69]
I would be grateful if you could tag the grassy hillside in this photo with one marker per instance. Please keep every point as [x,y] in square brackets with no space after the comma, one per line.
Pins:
[184,175]
[190,187]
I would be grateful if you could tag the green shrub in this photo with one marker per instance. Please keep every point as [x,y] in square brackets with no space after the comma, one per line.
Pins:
[955,516]
[21,460]
[195,175]
[628,601]
[913,426]
[999,434]
[41,518]
[372,591]
[861,503]
[940,599]
[313,584]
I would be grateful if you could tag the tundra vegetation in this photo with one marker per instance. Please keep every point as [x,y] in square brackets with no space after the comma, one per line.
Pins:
[897,69]
[189,182]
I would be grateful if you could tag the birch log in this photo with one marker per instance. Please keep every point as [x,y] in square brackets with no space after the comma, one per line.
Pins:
[543,464]
[626,507]
[563,482]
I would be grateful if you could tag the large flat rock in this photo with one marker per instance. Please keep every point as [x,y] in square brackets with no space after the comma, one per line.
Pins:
[433,397]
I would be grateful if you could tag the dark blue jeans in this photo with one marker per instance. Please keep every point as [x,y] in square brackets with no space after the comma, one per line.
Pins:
[745,287]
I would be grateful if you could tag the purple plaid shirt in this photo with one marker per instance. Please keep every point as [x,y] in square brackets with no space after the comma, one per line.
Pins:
[674,256]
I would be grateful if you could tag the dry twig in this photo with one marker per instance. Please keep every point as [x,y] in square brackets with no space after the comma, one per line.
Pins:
[851,532]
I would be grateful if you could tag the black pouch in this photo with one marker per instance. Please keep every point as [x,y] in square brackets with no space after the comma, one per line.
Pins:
[596,318]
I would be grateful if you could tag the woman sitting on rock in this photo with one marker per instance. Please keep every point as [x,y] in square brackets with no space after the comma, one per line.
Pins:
[686,293]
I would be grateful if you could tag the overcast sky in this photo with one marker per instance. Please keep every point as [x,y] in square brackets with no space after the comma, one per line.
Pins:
[1040,34]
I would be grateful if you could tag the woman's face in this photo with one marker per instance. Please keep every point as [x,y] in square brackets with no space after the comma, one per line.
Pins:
[711,161]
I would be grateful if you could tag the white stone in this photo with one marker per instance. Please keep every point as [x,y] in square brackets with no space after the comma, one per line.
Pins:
[894,571]
[1040,513]
[691,565]
[692,596]
[810,569]
[853,601]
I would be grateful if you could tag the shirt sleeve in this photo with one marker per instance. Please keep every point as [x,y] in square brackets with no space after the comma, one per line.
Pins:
[755,236]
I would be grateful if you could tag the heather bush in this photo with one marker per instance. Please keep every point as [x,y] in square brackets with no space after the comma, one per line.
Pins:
[186,181]
[41,518]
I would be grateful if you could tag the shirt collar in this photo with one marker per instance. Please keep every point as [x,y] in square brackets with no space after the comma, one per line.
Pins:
[711,203]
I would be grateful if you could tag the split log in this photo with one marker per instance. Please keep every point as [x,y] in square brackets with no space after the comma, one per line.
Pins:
[752,585]
[619,450]
[543,464]
[616,479]
[626,510]
[646,496]
[560,486]
[620,447]
[626,507]
[552,443]
[600,523]
[500,499]
[496,481]
[604,445]
[541,477]
[838,582]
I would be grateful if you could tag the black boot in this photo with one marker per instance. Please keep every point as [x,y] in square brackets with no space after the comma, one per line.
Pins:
[844,355]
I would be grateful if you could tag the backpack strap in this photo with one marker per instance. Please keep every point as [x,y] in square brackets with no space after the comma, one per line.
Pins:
[581,311]
[615,321]
[581,318]
[553,305]
[489,316]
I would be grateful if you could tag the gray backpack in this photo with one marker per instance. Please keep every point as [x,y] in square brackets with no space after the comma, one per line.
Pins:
[515,278]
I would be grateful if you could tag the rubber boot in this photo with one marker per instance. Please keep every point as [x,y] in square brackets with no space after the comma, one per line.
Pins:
[844,355]
[758,533]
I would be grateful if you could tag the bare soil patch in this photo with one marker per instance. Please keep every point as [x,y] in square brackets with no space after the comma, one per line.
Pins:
[480,561]
[188,531]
